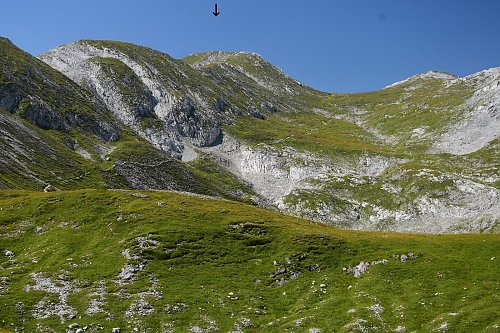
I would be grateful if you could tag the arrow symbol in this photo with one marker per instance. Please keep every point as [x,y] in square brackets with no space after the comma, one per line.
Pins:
[216,12]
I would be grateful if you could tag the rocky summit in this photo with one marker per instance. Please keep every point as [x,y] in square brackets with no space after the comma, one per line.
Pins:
[214,193]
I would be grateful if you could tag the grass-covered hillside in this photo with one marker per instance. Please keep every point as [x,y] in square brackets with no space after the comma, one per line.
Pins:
[93,260]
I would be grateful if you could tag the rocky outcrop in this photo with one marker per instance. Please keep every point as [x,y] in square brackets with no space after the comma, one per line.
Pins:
[10,97]
[253,66]
[61,288]
[128,98]
[480,123]
[272,173]
[188,122]
[428,75]
[44,116]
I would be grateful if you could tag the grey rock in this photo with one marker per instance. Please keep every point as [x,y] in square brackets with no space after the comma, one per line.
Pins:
[129,272]
[175,308]
[44,116]
[61,287]
[236,112]
[294,274]
[255,113]
[141,307]
[10,97]
[480,124]
[362,267]
[147,243]
[269,106]
[50,188]
[405,256]
[97,301]
[221,104]
[314,330]
[154,96]
[277,272]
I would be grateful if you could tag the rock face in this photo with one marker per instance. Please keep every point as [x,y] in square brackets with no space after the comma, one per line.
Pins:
[10,97]
[139,91]
[45,117]
[428,75]
[274,174]
[327,190]
[167,101]
[480,124]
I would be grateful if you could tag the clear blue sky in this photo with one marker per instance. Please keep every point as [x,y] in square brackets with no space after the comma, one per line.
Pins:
[331,45]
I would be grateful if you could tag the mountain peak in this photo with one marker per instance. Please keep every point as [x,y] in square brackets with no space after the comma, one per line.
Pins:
[433,74]
[4,40]
[250,64]
[202,59]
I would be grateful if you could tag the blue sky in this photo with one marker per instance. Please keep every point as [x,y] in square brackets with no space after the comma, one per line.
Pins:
[341,46]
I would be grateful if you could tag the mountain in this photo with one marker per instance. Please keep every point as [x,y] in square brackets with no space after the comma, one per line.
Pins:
[165,100]
[416,156]
[172,184]
[419,155]
[58,135]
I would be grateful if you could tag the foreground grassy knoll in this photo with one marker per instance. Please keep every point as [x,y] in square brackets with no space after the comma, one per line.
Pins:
[167,262]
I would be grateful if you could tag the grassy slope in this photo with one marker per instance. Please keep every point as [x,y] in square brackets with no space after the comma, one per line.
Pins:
[392,112]
[211,248]
[127,82]
[432,104]
[49,160]
[174,74]
[221,180]
[30,77]
[395,112]
[54,163]
[307,132]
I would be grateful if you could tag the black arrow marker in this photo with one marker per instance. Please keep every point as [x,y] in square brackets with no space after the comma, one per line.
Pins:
[216,13]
